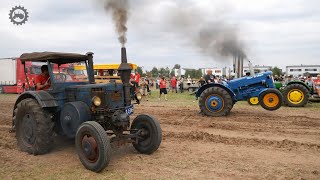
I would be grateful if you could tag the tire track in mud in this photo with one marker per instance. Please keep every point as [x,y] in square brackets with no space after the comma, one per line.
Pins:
[251,142]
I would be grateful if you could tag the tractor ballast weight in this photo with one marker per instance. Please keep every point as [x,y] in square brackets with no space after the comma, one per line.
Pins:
[218,99]
[83,110]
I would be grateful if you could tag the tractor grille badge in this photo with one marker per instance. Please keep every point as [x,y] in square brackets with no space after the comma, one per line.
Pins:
[18,15]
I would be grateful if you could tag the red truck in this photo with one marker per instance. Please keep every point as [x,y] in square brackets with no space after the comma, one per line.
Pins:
[12,77]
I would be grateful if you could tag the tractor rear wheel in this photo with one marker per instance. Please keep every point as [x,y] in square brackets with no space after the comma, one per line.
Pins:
[295,95]
[93,146]
[271,99]
[34,127]
[253,101]
[215,101]
[150,136]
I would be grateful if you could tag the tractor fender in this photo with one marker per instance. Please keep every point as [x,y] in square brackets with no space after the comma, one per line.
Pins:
[204,87]
[44,99]
[301,83]
[266,89]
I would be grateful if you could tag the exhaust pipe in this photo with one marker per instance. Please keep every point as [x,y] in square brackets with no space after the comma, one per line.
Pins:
[125,71]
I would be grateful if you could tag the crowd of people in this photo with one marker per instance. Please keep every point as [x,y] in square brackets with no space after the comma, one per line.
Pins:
[176,84]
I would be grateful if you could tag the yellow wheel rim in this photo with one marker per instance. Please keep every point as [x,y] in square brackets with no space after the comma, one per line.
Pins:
[271,100]
[254,100]
[295,96]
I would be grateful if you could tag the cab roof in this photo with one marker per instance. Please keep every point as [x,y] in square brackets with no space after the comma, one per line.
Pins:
[54,57]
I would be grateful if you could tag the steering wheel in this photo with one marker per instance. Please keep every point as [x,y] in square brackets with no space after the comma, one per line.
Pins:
[60,77]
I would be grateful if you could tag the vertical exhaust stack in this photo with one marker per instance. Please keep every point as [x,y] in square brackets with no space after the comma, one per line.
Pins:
[125,71]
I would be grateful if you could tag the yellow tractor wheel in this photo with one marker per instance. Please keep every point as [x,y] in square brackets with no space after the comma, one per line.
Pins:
[253,101]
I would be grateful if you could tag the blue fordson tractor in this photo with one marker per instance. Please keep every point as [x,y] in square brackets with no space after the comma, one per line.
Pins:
[218,99]
[95,115]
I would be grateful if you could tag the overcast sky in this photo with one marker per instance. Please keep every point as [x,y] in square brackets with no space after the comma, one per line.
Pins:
[275,33]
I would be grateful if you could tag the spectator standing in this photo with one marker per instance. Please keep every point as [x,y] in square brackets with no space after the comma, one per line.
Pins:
[189,80]
[201,82]
[163,88]
[310,82]
[181,84]
[317,84]
[137,78]
[157,83]
[174,84]
[148,84]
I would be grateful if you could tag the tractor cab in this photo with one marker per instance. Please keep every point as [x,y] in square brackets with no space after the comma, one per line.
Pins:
[80,109]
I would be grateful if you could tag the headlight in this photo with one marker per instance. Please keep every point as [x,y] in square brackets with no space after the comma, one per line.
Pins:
[138,96]
[96,101]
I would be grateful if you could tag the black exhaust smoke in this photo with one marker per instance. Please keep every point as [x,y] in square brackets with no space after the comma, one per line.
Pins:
[125,71]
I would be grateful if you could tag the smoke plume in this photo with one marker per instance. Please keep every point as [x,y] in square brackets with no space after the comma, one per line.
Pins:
[212,35]
[119,10]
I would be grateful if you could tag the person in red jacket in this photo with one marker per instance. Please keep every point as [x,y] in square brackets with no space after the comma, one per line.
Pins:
[174,84]
[317,84]
[163,88]
[43,79]
[137,78]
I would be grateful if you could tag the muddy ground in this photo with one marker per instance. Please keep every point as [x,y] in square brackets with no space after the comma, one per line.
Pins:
[250,143]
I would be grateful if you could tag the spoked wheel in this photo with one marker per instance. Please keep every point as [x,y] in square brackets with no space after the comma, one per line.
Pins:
[150,136]
[93,146]
[271,99]
[253,101]
[34,127]
[296,95]
[215,101]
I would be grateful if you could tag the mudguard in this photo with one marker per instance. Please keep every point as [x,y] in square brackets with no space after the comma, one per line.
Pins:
[43,97]
[301,83]
[204,87]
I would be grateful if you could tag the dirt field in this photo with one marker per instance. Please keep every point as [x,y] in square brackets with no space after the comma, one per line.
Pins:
[251,143]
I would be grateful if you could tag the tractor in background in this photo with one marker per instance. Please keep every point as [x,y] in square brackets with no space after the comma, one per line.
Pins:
[95,115]
[218,99]
[296,93]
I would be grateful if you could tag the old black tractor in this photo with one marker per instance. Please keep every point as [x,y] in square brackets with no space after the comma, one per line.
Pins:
[95,115]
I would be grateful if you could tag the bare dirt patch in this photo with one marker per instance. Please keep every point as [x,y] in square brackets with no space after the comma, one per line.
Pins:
[250,143]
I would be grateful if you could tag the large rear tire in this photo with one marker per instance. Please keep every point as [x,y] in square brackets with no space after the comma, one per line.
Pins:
[93,146]
[215,101]
[271,99]
[296,95]
[150,136]
[34,127]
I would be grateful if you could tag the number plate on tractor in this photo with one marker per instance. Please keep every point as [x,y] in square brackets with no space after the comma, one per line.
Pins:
[130,110]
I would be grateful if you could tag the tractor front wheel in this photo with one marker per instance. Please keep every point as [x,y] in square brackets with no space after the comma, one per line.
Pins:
[34,127]
[150,136]
[93,146]
[271,99]
[295,95]
[253,101]
[215,101]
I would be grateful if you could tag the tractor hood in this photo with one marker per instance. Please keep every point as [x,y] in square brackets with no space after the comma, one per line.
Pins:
[264,78]
[111,94]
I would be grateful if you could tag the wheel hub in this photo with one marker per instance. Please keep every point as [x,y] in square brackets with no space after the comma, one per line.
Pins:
[214,103]
[271,100]
[90,148]
[295,96]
